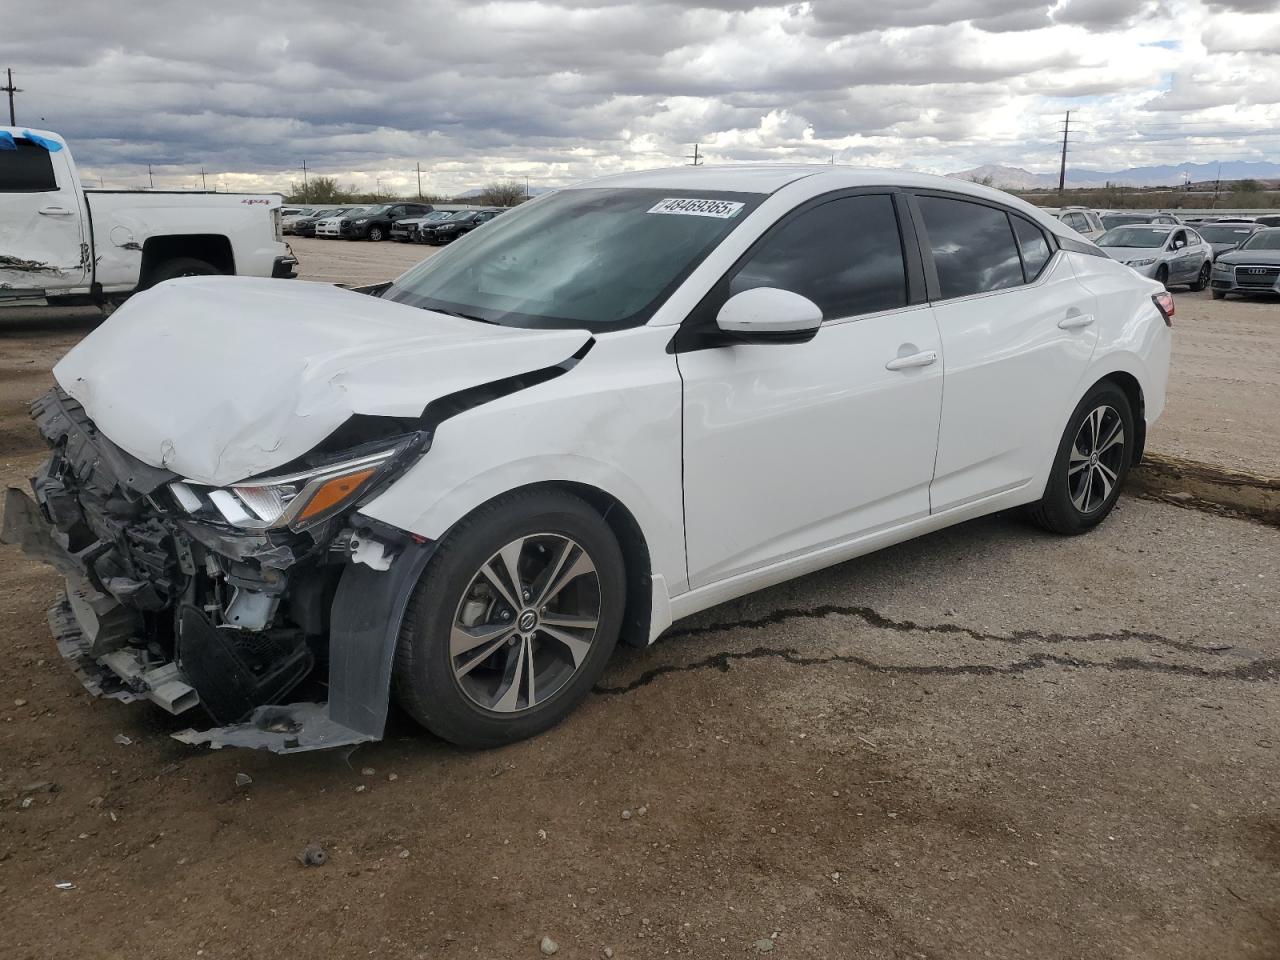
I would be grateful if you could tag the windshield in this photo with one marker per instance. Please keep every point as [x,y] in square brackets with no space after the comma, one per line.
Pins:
[1263,240]
[1225,234]
[1120,219]
[439,215]
[370,211]
[599,258]
[1134,236]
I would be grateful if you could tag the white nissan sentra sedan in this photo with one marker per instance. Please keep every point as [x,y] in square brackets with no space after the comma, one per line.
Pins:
[277,506]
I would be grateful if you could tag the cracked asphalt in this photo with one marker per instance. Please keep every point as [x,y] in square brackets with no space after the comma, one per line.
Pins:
[987,743]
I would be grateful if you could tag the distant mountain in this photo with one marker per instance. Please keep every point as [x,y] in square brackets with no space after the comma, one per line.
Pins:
[1015,178]
[533,192]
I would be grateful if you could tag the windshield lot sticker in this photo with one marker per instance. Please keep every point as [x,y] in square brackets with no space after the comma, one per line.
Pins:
[690,207]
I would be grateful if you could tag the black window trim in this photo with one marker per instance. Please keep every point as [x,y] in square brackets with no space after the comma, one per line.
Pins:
[698,330]
[1056,243]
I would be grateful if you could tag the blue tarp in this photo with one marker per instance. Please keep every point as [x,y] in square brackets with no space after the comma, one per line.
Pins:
[6,141]
[53,146]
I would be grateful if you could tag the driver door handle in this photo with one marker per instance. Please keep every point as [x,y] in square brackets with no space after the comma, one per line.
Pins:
[1076,321]
[54,212]
[922,359]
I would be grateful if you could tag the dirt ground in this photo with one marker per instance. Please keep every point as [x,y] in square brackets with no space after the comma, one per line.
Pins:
[985,743]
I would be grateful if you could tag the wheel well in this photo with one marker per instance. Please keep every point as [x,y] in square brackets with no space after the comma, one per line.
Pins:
[210,247]
[1133,391]
[635,555]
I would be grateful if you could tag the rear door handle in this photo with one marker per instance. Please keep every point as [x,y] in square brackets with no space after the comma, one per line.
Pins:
[922,359]
[54,212]
[1076,321]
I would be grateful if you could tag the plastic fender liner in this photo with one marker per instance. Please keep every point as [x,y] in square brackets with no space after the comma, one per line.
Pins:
[368,610]
[363,630]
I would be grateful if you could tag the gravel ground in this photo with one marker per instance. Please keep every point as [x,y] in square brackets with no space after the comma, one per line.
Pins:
[985,743]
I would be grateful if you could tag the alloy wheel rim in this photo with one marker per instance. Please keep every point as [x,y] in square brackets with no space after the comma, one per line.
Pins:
[1097,455]
[525,623]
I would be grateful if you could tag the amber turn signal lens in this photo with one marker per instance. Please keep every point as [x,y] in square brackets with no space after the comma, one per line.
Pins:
[334,492]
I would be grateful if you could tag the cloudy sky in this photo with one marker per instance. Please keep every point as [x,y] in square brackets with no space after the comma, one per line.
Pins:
[560,91]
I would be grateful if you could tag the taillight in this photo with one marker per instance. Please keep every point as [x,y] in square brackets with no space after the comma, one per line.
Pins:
[1164,303]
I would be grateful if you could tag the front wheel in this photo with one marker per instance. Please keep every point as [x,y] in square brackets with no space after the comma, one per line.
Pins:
[513,621]
[1202,280]
[375,234]
[1162,276]
[1091,465]
[1218,294]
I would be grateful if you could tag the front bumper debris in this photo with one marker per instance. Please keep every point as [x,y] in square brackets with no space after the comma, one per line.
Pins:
[147,587]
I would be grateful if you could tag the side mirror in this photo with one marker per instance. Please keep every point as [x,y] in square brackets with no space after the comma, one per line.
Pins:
[769,315]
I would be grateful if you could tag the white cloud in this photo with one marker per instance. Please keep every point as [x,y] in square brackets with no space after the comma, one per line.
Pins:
[570,89]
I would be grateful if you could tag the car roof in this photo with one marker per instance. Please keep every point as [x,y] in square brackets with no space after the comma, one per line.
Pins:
[768,178]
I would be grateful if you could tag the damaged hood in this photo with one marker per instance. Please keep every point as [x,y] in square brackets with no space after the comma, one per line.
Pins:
[223,378]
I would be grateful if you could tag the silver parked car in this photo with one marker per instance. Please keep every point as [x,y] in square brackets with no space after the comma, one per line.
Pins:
[1120,218]
[1169,254]
[1226,236]
[1083,221]
[1253,267]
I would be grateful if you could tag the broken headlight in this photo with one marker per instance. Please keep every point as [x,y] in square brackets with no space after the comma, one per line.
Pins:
[298,500]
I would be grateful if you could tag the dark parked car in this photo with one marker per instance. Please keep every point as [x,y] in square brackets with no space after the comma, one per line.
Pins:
[306,226]
[1227,235]
[1268,220]
[406,230]
[455,226]
[374,223]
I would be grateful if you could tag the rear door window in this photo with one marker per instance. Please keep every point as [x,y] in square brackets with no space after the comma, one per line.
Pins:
[973,247]
[845,255]
[28,169]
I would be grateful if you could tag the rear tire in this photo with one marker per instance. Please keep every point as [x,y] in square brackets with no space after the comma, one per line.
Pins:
[465,654]
[180,267]
[1202,280]
[1218,294]
[1162,276]
[1091,465]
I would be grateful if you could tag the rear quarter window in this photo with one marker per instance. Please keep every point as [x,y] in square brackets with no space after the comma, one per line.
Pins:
[28,169]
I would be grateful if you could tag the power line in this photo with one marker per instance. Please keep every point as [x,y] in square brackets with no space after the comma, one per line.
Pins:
[1062,171]
[11,90]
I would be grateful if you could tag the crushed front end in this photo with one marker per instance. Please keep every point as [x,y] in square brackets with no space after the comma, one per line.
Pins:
[225,603]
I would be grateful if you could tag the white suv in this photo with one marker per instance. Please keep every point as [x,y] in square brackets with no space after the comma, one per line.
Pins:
[1083,221]
[614,406]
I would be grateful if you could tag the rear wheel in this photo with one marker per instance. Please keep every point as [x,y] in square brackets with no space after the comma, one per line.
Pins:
[1162,276]
[513,621]
[1202,280]
[1091,465]
[180,267]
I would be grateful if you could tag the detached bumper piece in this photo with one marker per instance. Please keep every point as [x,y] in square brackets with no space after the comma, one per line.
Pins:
[153,594]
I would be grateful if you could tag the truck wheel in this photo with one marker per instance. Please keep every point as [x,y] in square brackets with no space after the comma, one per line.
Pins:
[180,267]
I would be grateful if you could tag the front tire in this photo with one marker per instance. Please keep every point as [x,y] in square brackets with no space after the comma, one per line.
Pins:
[1202,280]
[486,657]
[375,234]
[1162,276]
[1218,294]
[1091,465]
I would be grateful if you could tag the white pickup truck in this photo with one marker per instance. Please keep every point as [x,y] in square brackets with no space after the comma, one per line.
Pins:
[60,243]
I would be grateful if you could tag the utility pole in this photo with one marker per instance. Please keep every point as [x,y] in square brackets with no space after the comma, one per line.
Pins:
[204,184]
[151,177]
[11,90]
[526,186]
[1062,171]
[306,193]
[418,166]
[695,157]
[1217,185]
